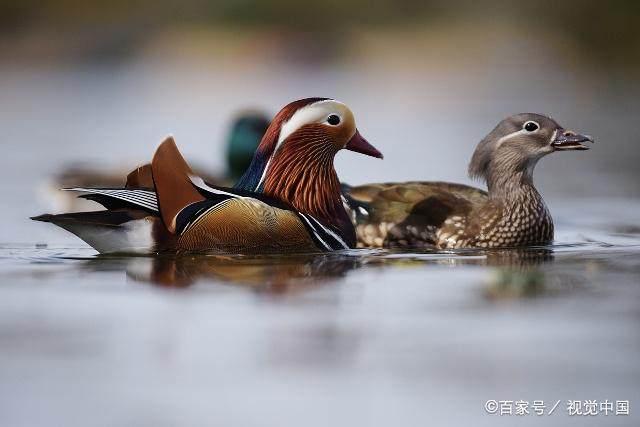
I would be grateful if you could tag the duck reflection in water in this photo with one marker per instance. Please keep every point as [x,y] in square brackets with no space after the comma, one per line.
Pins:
[518,272]
[270,274]
[514,258]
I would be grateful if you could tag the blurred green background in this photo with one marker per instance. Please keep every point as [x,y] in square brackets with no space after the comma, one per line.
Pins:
[603,33]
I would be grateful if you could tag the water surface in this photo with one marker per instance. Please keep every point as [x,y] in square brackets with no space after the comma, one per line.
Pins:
[357,338]
[363,337]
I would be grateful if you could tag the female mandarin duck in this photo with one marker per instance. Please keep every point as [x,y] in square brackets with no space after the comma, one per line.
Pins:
[442,215]
[289,199]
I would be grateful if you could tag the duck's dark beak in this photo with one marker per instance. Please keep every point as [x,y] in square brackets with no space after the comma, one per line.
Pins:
[360,145]
[569,140]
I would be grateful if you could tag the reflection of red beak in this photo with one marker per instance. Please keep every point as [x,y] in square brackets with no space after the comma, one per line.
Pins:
[360,145]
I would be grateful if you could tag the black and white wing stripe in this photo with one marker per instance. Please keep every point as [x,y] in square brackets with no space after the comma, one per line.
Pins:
[192,214]
[212,192]
[358,210]
[143,198]
[324,237]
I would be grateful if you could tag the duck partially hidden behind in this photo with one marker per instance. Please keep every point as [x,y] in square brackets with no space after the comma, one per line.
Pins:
[443,215]
[296,204]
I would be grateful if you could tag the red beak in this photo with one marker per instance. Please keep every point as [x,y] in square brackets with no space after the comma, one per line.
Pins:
[360,145]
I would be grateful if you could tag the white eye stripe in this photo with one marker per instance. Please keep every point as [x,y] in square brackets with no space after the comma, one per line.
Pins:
[511,135]
[522,131]
[318,112]
[312,113]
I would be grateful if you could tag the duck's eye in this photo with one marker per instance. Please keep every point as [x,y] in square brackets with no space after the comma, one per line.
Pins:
[531,126]
[333,120]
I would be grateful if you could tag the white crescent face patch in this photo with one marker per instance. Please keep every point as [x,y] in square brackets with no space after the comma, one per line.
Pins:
[513,135]
[318,112]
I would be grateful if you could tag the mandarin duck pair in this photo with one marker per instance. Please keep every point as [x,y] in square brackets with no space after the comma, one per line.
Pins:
[290,198]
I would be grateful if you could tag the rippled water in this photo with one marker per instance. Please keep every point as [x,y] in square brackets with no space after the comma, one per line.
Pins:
[355,338]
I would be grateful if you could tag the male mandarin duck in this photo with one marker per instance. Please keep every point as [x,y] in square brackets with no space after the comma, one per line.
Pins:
[445,216]
[242,139]
[288,200]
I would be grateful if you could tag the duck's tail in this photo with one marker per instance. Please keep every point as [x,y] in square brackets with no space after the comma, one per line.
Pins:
[141,217]
[124,230]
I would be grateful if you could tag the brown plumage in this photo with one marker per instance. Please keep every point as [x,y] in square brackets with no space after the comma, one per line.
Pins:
[141,177]
[291,202]
[313,186]
[247,226]
[435,214]
[174,189]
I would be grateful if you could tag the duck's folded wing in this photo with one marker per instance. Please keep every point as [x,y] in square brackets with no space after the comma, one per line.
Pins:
[410,211]
[116,198]
[139,192]
[393,202]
